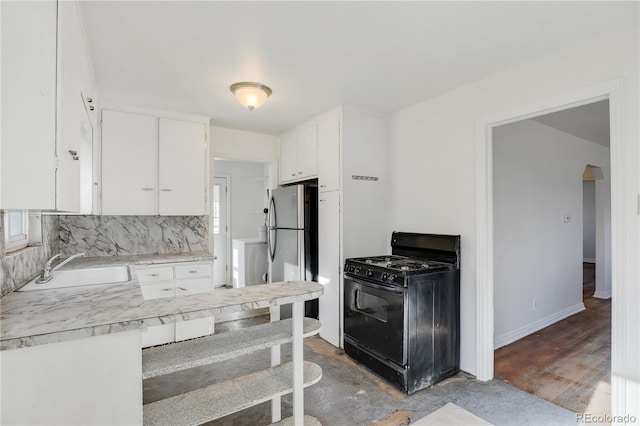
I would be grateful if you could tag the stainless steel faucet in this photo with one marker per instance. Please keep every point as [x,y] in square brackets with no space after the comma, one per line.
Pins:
[47,272]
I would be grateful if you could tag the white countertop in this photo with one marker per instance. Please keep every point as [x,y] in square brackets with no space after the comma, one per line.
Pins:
[48,316]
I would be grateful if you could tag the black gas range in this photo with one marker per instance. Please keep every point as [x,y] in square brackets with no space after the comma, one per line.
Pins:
[401,311]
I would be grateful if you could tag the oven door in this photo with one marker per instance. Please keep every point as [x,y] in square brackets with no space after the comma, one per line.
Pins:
[375,317]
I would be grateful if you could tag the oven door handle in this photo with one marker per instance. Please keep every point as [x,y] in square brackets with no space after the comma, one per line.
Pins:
[382,287]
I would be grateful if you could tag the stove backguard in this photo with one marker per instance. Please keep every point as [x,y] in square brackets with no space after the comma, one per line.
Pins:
[438,247]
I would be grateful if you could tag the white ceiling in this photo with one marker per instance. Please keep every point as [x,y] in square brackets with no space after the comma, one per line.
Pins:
[383,56]
[590,122]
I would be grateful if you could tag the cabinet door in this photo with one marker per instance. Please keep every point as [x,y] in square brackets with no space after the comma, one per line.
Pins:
[194,328]
[128,163]
[182,167]
[329,152]
[289,157]
[158,335]
[329,266]
[70,109]
[308,151]
[28,105]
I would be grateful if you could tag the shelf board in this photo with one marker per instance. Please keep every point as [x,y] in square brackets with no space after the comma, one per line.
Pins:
[179,356]
[221,399]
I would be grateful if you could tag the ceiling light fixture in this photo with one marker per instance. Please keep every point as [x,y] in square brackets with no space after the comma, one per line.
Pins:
[249,94]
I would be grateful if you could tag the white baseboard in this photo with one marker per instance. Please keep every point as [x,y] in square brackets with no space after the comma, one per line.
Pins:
[585,260]
[521,332]
[602,294]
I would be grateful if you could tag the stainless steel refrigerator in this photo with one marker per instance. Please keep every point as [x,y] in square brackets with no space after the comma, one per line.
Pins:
[292,238]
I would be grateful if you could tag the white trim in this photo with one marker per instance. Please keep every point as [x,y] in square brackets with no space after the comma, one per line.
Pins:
[526,330]
[602,295]
[484,212]
[158,113]
[627,403]
[227,195]
[20,241]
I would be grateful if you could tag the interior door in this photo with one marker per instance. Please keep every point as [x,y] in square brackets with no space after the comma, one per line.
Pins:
[220,231]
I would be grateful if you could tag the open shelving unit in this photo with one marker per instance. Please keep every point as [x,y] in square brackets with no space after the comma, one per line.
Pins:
[227,397]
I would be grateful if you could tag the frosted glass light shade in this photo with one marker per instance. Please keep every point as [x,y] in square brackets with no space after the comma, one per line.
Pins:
[250,95]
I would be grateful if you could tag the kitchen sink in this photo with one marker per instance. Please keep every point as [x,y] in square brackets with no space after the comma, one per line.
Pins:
[82,277]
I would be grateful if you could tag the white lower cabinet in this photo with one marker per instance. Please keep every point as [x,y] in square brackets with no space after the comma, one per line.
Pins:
[175,280]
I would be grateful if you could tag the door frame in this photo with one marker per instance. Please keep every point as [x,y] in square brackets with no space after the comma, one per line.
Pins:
[227,178]
[612,91]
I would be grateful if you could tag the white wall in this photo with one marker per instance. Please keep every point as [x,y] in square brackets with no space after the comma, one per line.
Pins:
[233,144]
[247,195]
[433,162]
[589,221]
[365,213]
[537,181]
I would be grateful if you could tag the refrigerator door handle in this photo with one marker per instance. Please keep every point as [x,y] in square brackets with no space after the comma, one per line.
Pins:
[271,242]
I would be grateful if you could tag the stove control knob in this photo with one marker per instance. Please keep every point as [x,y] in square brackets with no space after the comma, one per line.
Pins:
[392,278]
[357,269]
[384,276]
[351,268]
[369,273]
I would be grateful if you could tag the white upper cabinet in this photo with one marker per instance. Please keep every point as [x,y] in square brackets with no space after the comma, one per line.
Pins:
[299,153]
[46,139]
[289,157]
[308,151]
[129,161]
[153,165]
[329,151]
[182,167]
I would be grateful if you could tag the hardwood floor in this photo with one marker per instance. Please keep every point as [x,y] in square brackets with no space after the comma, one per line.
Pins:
[567,363]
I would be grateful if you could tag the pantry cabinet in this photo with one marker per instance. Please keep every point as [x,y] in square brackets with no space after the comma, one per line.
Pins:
[329,265]
[329,151]
[47,137]
[299,153]
[153,164]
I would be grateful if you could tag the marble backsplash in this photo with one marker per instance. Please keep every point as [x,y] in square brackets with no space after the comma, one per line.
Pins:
[133,235]
[22,266]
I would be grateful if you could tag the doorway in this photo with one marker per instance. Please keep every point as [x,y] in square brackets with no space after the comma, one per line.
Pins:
[238,220]
[547,343]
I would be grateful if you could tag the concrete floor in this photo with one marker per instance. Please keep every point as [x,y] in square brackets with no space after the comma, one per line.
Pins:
[348,394]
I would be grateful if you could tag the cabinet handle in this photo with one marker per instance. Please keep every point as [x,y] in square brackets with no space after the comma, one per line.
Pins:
[322,201]
[323,186]
[299,173]
[74,154]
[193,272]
[293,174]
[91,108]
[166,190]
[182,288]
[147,189]
[154,275]
[89,100]
[167,289]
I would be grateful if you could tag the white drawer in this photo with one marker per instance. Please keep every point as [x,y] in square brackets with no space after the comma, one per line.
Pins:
[193,286]
[157,290]
[194,328]
[193,271]
[155,274]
